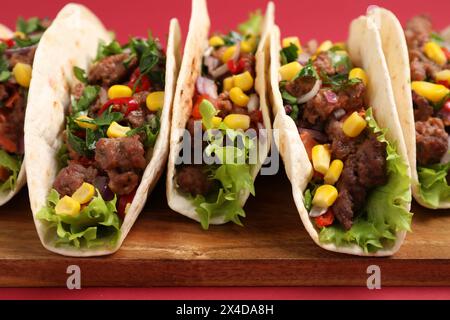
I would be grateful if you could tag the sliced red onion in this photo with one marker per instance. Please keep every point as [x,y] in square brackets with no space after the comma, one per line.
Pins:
[446,157]
[330,96]
[303,58]
[253,103]
[206,86]
[311,94]
[339,113]
[208,52]
[317,211]
[101,184]
[237,52]
[9,52]
[220,71]
[211,63]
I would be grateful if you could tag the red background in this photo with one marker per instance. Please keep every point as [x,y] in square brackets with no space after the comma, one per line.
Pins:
[322,20]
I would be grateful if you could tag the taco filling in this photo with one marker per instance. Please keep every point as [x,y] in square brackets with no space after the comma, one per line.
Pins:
[111,129]
[16,61]
[224,102]
[360,182]
[429,58]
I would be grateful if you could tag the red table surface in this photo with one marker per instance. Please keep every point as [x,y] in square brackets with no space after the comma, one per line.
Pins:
[322,20]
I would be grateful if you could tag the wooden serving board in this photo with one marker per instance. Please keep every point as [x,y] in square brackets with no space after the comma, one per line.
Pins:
[273,249]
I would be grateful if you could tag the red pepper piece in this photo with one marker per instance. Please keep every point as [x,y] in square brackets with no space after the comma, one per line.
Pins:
[7,144]
[196,108]
[447,52]
[236,67]
[325,220]
[123,202]
[129,102]
[9,42]
[144,81]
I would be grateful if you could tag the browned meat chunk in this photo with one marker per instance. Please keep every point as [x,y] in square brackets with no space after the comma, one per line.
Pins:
[122,183]
[12,116]
[194,180]
[431,141]
[371,162]
[422,108]
[418,30]
[248,61]
[111,70]
[323,64]
[300,86]
[72,177]
[341,145]
[124,154]
[22,55]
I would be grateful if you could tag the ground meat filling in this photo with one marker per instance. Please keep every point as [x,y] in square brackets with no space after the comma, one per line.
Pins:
[194,180]
[72,177]
[431,135]
[111,70]
[123,159]
[431,141]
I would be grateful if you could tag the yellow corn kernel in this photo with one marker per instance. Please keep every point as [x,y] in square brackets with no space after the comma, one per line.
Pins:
[334,172]
[430,91]
[290,70]
[20,35]
[325,46]
[435,53]
[243,81]
[443,76]
[115,130]
[79,121]
[237,121]
[155,100]
[325,196]
[228,54]
[216,121]
[354,125]
[321,157]
[358,73]
[67,206]
[22,74]
[216,41]
[239,97]
[119,91]
[84,193]
[228,83]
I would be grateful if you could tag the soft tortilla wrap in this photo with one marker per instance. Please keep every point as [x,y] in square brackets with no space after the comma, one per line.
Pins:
[196,44]
[5,196]
[396,52]
[364,46]
[72,40]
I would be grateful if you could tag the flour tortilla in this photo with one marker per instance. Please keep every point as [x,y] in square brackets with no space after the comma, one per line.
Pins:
[196,44]
[5,196]
[72,40]
[396,52]
[364,46]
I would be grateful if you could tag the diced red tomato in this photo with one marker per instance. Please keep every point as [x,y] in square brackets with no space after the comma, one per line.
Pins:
[309,142]
[196,107]
[446,107]
[4,174]
[9,42]
[447,52]
[326,219]
[236,67]
[123,202]
[444,83]
[144,82]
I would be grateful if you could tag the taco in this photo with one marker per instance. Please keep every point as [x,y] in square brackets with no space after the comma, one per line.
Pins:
[96,131]
[17,51]
[221,88]
[418,59]
[340,139]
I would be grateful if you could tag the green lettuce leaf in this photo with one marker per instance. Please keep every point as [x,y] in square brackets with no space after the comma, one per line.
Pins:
[233,174]
[385,212]
[12,163]
[433,187]
[96,225]
[253,25]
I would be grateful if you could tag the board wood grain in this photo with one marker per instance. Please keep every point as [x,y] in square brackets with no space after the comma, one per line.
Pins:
[273,249]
